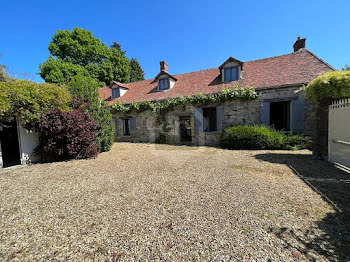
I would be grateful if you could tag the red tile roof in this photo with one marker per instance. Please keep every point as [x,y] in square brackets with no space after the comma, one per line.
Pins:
[291,69]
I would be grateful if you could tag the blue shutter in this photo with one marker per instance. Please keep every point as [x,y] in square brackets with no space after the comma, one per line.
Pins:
[198,119]
[219,118]
[132,125]
[265,113]
[298,115]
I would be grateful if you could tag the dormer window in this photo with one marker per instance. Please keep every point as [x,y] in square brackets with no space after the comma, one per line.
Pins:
[115,93]
[231,74]
[163,84]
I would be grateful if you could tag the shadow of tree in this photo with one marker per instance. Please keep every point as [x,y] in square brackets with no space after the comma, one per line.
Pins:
[333,185]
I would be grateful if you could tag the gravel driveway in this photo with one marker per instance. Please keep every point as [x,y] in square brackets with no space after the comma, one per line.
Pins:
[172,203]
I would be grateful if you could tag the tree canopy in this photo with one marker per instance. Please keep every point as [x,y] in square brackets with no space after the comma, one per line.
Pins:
[79,52]
[136,72]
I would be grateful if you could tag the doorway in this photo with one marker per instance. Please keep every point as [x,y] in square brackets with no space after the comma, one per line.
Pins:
[185,129]
[280,115]
[10,144]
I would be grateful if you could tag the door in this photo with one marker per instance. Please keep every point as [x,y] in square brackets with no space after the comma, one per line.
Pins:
[10,145]
[185,129]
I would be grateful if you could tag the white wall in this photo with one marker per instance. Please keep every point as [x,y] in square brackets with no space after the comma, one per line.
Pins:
[28,141]
[1,163]
[339,133]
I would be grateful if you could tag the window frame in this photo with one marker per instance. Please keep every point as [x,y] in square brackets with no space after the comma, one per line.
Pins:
[126,131]
[113,90]
[231,78]
[208,122]
[165,80]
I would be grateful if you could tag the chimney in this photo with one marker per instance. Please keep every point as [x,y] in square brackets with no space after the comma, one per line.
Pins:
[300,43]
[163,66]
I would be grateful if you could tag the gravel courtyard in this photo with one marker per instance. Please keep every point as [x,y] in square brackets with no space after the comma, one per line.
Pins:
[176,203]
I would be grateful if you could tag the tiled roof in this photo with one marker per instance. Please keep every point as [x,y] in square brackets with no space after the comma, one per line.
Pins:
[291,69]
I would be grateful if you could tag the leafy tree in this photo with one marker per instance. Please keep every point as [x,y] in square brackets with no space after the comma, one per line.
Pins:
[78,51]
[117,46]
[346,68]
[136,72]
[86,88]
[3,75]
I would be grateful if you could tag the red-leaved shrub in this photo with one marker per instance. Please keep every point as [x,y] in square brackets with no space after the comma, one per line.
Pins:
[66,135]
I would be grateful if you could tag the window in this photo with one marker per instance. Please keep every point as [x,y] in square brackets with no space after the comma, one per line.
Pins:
[126,127]
[209,119]
[115,93]
[163,84]
[230,74]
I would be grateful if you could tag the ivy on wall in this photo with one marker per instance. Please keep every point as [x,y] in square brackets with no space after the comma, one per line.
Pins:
[163,106]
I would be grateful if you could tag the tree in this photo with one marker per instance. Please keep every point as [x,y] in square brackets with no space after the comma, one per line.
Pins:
[117,46]
[86,88]
[136,72]
[78,51]
[3,75]
[346,68]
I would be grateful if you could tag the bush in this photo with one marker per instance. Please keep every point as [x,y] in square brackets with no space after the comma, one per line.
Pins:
[86,89]
[66,135]
[260,137]
[329,86]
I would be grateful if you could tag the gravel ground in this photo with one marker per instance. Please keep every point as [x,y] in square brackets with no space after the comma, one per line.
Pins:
[171,203]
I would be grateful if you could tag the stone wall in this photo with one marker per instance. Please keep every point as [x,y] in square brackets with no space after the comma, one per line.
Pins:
[233,113]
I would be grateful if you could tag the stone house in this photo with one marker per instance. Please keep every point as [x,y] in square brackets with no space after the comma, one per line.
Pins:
[280,82]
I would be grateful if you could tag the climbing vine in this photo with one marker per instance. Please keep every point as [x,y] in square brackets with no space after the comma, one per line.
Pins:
[163,106]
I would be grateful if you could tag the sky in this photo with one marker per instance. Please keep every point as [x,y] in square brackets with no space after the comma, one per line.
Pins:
[188,35]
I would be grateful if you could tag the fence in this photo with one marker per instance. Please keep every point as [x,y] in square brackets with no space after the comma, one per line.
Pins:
[339,133]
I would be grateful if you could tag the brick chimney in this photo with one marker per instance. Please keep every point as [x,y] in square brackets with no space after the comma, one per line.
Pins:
[300,43]
[163,66]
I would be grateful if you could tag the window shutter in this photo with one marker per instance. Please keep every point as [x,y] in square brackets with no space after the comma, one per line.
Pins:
[219,118]
[115,92]
[298,115]
[115,121]
[198,119]
[265,113]
[132,123]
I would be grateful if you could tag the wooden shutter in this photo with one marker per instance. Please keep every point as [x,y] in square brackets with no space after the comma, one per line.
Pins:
[198,119]
[298,115]
[265,113]
[132,125]
[219,118]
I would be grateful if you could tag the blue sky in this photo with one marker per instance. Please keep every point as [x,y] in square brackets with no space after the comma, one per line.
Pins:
[189,35]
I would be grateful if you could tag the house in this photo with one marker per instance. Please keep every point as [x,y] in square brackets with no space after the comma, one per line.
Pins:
[279,81]
[17,145]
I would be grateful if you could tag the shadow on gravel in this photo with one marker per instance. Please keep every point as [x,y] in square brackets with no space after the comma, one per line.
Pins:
[334,187]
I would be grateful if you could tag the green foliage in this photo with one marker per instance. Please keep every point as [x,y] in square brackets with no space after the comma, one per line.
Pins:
[136,72]
[328,87]
[161,107]
[86,88]
[27,101]
[346,67]
[3,75]
[79,52]
[261,137]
